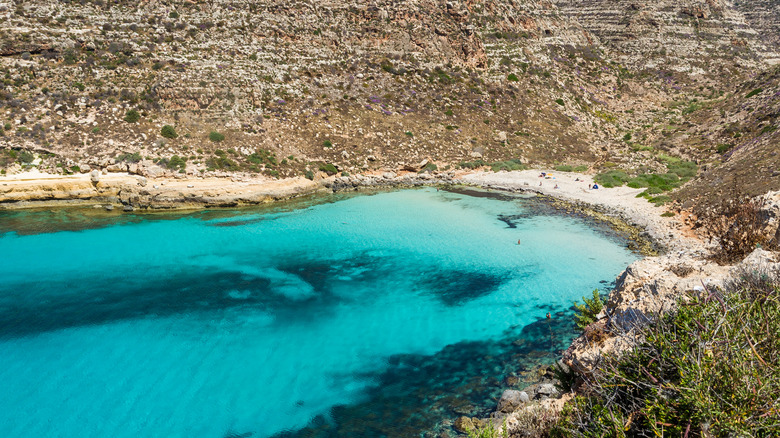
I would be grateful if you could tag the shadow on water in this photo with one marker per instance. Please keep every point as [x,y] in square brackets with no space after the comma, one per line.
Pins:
[416,393]
[296,286]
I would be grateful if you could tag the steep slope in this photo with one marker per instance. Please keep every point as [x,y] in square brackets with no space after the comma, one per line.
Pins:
[704,37]
[282,88]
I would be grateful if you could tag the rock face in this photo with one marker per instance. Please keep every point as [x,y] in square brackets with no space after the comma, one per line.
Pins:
[687,35]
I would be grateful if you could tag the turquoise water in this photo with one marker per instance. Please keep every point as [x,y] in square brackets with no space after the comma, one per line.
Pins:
[375,315]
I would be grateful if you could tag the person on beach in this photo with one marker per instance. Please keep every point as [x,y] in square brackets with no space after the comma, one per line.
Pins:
[556,186]
[590,186]
[540,183]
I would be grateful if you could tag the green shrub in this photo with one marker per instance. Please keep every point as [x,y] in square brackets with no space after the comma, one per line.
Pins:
[79,86]
[263,156]
[26,157]
[471,164]
[222,163]
[559,101]
[309,175]
[683,169]
[430,167]
[512,77]
[168,131]
[627,137]
[753,93]
[694,106]
[724,147]
[667,214]
[581,168]
[488,431]
[710,368]
[173,14]
[586,312]
[176,163]
[409,134]
[508,165]
[129,158]
[612,178]
[329,169]
[327,144]
[564,168]
[216,137]
[132,116]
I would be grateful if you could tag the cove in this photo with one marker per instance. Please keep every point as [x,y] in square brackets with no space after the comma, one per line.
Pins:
[371,315]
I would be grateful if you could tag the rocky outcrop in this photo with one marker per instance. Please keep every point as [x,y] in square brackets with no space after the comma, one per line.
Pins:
[135,192]
[689,35]
[648,288]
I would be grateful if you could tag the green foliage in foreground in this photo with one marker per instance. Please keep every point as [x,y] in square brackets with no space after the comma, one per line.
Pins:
[712,368]
[488,431]
[586,313]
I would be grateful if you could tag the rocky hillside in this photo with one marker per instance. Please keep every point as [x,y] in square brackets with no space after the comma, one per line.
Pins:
[288,88]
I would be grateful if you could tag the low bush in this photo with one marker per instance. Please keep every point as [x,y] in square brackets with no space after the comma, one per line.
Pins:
[129,157]
[329,169]
[564,168]
[683,169]
[738,225]
[711,368]
[168,131]
[471,164]
[586,312]
[612,178]
[132,116]
[327,144]
[176,163]
[508,165]
[222,163]
[216,137]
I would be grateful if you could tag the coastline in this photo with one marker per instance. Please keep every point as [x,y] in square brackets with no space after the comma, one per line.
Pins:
[644,289]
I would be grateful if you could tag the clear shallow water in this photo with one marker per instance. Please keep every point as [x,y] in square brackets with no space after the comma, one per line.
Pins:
[370,316]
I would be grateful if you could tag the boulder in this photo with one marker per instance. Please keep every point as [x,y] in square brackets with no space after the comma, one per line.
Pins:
[546,390]
[464,424]
[511,400]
